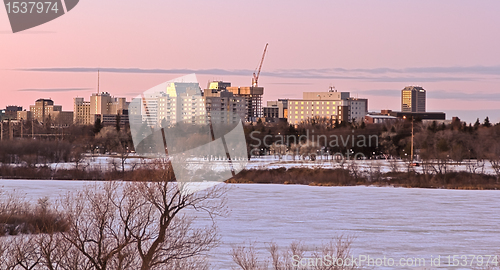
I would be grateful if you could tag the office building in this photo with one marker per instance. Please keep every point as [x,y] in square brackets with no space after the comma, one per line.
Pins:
[413,99]
[222,106]
[253,100]
[389,115]
[379,118]
[275,110]
[333,105]
[10,112]
[44,110]
[101,106]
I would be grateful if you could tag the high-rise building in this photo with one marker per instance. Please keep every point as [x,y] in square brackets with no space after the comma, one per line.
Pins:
[253,100]
[101,106]
[222,106]
[333,105]
[358,108]
[168,104]
[81,112]
[413,99]
[181,102]
[45,110]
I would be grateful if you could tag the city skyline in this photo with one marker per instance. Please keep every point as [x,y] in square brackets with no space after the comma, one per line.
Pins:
[372,50]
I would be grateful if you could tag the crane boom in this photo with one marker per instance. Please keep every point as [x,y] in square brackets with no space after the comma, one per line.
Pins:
[255,78]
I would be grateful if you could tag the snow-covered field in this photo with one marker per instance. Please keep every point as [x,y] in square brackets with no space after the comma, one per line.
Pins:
[132,161]
[382,165]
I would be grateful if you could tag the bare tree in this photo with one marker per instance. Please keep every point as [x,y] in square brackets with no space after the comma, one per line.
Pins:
[164,237]
[96,230]
[278,150]
[309,149]
[19,253]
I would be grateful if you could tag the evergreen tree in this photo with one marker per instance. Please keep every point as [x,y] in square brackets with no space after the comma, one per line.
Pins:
[477,124]
[97,126]
[486,122]
[433,126]
[118,119]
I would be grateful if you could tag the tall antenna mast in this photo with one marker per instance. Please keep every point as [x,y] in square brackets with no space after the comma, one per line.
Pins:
[98,81]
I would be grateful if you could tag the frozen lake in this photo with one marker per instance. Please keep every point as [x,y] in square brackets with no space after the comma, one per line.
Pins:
[392,222]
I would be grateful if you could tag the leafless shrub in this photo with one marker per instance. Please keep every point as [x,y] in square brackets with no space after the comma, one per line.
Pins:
[246,258]
[293,257]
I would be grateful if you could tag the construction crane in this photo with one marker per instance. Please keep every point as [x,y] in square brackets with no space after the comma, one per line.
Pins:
[256,76]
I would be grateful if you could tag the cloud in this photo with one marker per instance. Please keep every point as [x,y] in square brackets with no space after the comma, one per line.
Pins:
[463,96]
[53,89]
[435,94]
[375,75]
[290,83]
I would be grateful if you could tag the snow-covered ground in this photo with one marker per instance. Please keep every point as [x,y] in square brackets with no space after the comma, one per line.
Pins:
[382,165]
[385,221]
[133,161]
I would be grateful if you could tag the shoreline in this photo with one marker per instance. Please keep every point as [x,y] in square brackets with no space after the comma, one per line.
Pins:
[294,176]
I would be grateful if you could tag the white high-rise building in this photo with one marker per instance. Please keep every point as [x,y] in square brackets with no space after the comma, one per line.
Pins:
[171,103]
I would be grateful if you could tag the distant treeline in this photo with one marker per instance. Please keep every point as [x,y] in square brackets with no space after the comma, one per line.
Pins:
[436,146]
[347,177]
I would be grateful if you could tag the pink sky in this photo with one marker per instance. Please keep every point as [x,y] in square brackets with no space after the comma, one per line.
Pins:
[370,48]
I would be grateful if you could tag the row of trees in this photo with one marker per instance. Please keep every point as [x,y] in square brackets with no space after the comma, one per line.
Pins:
[394,138]
[443,143]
